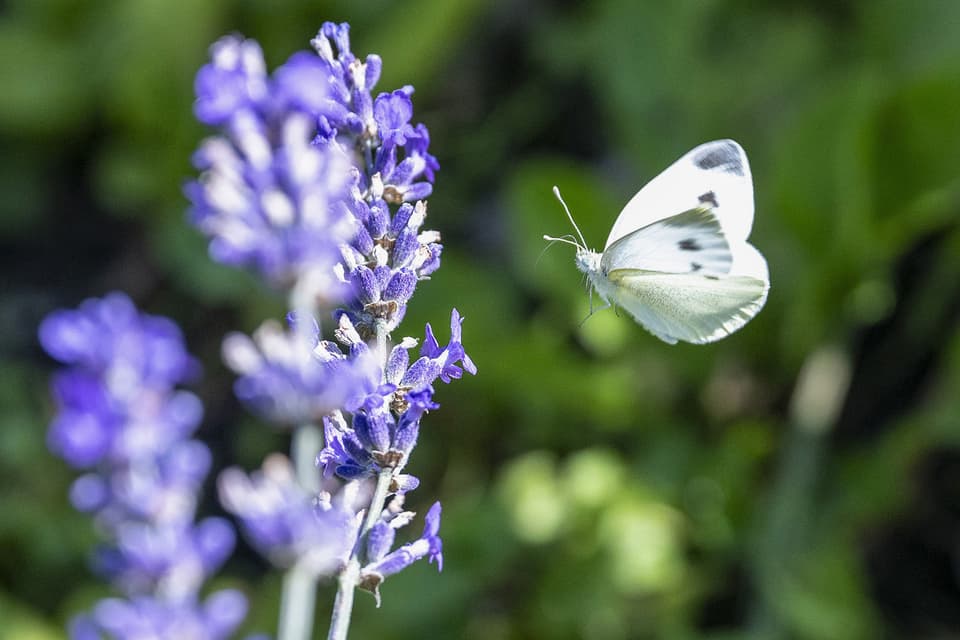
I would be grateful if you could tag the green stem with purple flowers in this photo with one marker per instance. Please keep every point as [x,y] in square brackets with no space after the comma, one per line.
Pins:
[350,576]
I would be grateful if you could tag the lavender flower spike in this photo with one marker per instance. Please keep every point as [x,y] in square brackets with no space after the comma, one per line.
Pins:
[121,415]
[117,401]
[318,181]
[266,191]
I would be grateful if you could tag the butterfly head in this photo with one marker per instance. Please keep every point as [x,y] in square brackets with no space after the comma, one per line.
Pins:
[587,260]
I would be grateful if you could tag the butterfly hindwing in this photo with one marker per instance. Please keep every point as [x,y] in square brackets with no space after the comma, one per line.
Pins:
[689,307]
[690,242]
[714,175]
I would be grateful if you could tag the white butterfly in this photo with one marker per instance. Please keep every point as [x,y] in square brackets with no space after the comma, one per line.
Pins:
[677,257]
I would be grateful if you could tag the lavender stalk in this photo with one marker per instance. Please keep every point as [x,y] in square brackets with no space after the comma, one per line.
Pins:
[122,420]
[321,187]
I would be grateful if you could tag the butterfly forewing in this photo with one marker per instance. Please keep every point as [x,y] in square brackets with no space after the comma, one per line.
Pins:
[714,175]
[690,242]
[689,307]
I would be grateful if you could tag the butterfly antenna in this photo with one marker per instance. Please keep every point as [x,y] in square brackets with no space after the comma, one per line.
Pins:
[556,192]
[567,240]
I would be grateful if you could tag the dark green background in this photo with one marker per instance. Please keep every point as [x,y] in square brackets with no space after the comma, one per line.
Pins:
[596,483]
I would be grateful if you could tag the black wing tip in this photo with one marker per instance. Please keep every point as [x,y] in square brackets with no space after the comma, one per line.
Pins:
[724,155]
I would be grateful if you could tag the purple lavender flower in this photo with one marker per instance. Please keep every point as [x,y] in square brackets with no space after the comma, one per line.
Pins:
[146,617]
[171,561]
[387,258]
[381,564]
[392,113]
[292,377]
[121,415]
[320,184]
[265,194]
[288,525]
[385,422]
[161,490]
[388,253]
[117,402]
[271,199]
[377,133]
[435,362]
[234,81]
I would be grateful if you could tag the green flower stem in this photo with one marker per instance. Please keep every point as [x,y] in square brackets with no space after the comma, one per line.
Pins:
[350,576]
[297,604]
[298,598]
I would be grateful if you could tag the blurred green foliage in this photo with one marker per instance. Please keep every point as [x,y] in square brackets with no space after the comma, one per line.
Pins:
[797,480]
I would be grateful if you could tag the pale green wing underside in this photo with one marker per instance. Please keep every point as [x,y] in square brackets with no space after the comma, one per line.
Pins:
[687,306]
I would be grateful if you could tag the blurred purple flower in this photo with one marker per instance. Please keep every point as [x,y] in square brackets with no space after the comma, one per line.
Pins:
[117,401]
[161,490]
[291,377]
[121,416]
[264,199]
[111,338]
[143,617]
[235,80]
[287,524]
[171,561]
[266,191]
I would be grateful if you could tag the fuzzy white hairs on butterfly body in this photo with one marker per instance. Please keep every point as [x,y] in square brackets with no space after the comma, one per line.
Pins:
[677,258]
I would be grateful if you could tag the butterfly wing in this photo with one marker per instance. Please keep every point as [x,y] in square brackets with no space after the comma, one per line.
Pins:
[689,242]
[713,175]
[688,306]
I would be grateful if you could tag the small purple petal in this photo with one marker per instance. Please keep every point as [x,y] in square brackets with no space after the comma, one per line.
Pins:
[401,286]
[223,611]
[392,112]
[417,191]
[374,65]
[401,218]
[380,540]
[301,82]
[430,347]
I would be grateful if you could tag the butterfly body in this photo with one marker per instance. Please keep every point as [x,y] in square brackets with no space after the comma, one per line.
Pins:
[677,258]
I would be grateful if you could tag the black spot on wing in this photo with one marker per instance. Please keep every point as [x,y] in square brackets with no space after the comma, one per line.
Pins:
[709,198]
[689,244]
[724,156]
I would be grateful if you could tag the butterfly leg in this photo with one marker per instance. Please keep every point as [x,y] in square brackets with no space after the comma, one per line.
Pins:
[593,311]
